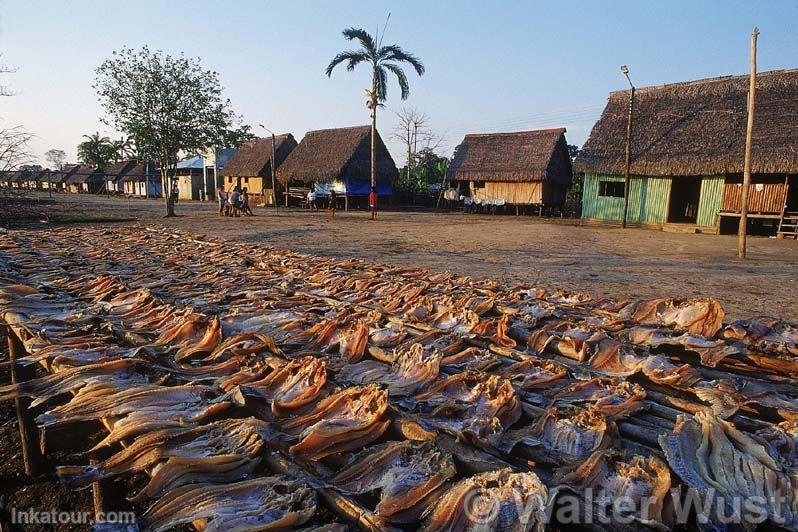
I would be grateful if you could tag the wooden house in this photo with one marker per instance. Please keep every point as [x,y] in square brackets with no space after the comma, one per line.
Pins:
[251,166]
[113,176]
[340,160]
[86,180]
[688,145]
[521,168]
[143,180]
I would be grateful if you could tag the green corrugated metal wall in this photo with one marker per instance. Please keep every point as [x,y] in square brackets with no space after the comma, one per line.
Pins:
[710,201]
[648,199]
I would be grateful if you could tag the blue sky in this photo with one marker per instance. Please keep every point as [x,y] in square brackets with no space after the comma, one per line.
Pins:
[491,66]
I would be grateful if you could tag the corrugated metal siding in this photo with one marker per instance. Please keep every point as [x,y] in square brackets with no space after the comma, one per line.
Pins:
[710,200]
[648,199]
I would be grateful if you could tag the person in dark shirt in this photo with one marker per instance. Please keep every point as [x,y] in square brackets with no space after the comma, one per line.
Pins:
[332,204]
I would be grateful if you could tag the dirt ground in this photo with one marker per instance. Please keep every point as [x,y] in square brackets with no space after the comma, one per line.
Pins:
[550,253]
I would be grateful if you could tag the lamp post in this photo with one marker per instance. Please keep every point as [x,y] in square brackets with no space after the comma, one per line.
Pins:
[628,161]
[272,164]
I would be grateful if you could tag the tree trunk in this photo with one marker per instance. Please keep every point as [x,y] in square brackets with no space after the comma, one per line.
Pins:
[167,192]
[374,143]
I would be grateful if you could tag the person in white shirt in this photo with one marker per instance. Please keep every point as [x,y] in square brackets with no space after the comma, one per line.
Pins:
[312,199]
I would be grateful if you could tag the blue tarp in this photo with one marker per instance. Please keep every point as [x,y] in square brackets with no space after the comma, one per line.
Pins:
[354,187]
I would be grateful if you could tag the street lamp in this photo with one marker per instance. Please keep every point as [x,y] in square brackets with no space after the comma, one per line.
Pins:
[628,162]
[272,164]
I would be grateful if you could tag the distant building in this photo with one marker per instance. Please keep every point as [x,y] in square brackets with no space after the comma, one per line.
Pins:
[340,160]
[86,180]
[114,174]
[522,168]
[197,176]
[143,180]
[251,166]
[688,145]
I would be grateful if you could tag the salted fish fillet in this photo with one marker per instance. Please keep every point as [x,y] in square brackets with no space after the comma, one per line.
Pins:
[495,330]
[405,473]
[563,435]
[194,334]
[535,373]
[119,372]
[471,404]
[712,456]
[412,370]
[610,475]
[696,316]
[497,500]
[339,422]
[266,503]
[614,398]
[240,438]
[84,407]
[710,351]
[294,385]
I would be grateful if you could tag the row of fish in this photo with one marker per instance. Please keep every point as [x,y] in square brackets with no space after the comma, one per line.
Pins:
[340,355]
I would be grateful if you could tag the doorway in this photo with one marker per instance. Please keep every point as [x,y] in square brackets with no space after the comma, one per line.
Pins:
[684,198]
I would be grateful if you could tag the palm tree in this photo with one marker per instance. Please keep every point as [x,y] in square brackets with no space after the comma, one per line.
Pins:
[95,151]
[381,59]
[123,149]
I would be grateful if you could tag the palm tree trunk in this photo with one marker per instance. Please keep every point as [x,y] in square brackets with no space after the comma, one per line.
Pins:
[374,146]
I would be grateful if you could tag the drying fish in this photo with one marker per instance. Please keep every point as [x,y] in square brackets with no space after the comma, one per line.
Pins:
[535,373]
[710,351]
[495,330]
[411,371]
[497,500]
[611,475]
[696,316]
[267,503]
[405,473]
[118,373]
[193,335]
[767,335]
[471,358]
[342,422]
[723,463]
[612,398]
[86,406]
[727,396]
[472,404]
[294,385]
[352,341]
[236,441]
[461,321]
[243,344]
[563,435]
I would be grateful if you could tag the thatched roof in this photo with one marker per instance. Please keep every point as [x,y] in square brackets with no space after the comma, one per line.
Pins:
[325,155]
[141,171]
[83,174]
[521,156]
[253,158]
[118,170]
[698,128]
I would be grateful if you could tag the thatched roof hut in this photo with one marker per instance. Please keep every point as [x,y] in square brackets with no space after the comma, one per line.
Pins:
[524,167]
[688,146]
[340,156]
[254,157]
[698,128]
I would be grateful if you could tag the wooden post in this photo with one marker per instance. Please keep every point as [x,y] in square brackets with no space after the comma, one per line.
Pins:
[274,170]
[628,161]
[96,493]
[27,428]
[741,233]
[346,201]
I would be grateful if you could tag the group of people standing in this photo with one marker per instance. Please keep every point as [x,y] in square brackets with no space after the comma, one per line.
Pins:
[313,198]
[235,203]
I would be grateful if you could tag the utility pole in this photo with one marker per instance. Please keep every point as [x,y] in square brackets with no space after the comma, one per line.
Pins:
[741,233]
[628,160]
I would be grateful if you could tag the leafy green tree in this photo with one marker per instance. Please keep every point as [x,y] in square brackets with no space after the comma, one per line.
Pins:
[95,151]
[167,105]
[381,60]
[234,138]
[123,149]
